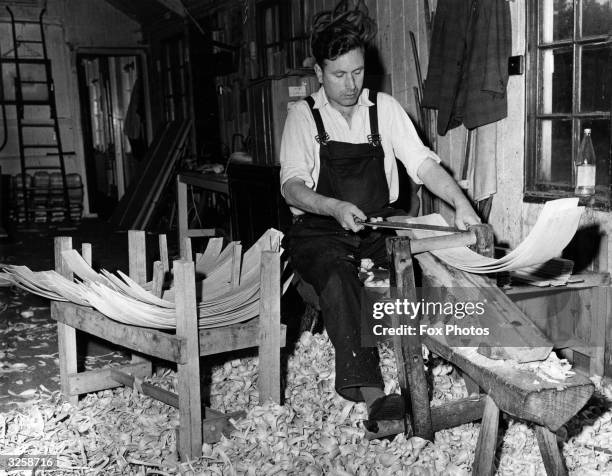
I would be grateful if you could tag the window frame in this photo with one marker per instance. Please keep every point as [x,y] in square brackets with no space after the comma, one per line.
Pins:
[532,191]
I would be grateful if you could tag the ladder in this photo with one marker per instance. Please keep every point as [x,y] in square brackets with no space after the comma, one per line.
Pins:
[25,122]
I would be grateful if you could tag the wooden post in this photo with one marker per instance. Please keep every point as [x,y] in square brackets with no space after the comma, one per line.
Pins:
[408,353]
[137,252]
[163,252]
[484,459]
[269,328]
[183,225]
[137,259]
[66,335]
[186,252]
[190,412]
[549,449]
[158,278]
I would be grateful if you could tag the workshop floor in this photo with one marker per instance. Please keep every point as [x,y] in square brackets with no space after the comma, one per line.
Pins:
[315,432]
[28,335]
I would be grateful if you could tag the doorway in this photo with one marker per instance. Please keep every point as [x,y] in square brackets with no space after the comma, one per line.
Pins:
[115,123]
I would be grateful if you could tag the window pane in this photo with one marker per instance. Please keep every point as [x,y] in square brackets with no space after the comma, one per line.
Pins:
[600,135]
[556,69]
[555,153]
[596,78]
[557,20]
[596,17]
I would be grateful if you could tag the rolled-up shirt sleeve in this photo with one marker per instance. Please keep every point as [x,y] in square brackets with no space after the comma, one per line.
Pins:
[297,152]
[406,143]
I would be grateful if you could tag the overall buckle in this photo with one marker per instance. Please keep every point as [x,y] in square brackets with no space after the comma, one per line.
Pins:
[322,140]
[374,140]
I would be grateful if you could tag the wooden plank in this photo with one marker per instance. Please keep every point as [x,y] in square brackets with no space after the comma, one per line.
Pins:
[549,449]
[101,379]
[186,253]
[66,335]
[523,340]
[141,339]
[190,412]
[123,210]
[447,415]
[518,392]
[408,352]
[484,459]
[237,336]
[269,328]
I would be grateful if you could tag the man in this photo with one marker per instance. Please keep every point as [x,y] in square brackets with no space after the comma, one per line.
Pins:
[338,166]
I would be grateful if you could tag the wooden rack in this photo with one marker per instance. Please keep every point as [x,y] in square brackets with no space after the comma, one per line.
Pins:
[198,424]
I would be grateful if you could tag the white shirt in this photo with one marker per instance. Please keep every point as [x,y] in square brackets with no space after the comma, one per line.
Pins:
[299,153]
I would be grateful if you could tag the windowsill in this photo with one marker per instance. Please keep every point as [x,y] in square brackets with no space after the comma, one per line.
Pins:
[597,202]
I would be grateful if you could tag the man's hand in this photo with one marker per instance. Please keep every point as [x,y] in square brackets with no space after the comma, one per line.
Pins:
[345,214]
[464,216]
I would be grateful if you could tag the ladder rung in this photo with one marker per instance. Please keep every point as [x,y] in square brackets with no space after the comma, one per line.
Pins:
[43,167]
[26,22]
[32,102]
[32,81]
[63,153]
[30,41]
[39,146]
[25,60]
[37,124]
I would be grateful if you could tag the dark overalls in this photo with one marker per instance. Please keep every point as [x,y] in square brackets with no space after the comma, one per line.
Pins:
[328,257]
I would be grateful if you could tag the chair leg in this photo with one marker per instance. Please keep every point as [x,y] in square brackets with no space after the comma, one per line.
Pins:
[553,461]
[484,459]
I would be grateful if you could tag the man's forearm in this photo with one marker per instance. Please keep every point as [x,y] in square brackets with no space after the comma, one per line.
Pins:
[441,184]
[298,195]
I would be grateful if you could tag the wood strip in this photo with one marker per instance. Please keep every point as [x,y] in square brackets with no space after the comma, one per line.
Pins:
[163,252]
[101,379]
[269,328]
[66,335]
[484,459]
[408,353]
[86,253]
[549,449]
[190,412]
[186,253]
[141,339]
[236,260]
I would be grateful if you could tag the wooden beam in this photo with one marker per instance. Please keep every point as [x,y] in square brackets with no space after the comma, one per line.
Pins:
[147,341]
[549,449]
[101,379]
[237,336]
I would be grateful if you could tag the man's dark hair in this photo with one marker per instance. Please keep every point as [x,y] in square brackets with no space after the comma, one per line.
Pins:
[337,32]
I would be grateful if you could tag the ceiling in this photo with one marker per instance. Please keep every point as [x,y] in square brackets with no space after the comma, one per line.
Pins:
[151,11]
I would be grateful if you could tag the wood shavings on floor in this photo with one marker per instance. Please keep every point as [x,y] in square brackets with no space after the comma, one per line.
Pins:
[316,432]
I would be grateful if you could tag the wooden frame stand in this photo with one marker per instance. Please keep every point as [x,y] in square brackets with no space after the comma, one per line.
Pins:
[198,424]
[492,388]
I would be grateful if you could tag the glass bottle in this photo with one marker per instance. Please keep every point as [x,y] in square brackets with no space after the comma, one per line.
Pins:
[585,167]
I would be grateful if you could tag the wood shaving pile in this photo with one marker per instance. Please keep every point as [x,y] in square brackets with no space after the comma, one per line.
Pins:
[316,432]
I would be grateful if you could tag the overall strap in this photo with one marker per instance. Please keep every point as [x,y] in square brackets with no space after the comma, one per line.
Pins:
[322,137]
[374,138]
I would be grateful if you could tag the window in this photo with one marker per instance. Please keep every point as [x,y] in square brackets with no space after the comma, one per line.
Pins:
[569,88]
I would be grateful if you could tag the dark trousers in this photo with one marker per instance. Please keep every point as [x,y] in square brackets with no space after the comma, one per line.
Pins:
[328,258]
